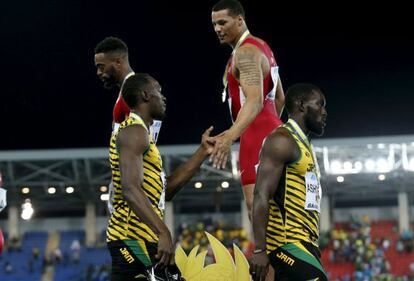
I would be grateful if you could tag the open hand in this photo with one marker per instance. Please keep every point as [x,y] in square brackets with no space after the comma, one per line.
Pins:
[221,150]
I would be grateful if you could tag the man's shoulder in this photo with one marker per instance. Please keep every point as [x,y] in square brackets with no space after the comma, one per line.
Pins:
[258,39]
[280,136]
[280,144]
[134,136]
[253,45]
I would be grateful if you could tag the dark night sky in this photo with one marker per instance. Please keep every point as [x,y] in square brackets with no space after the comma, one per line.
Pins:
[51,98]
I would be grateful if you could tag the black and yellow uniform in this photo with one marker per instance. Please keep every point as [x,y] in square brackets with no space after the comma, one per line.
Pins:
[293,228]
[131,242]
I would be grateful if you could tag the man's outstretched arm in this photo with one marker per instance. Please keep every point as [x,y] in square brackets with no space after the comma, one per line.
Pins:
[186,171]
[248,65]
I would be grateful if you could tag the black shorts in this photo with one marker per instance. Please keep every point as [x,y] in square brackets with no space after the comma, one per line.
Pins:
[298,262]
[131,259]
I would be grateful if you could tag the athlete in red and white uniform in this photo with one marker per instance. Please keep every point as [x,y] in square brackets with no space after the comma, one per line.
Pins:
[121,110]
[112,68]
[266,121]
[112,64]
[256,96]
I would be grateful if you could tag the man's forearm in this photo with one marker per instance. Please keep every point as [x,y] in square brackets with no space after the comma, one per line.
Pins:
[250,109]
[185,172]
[260,220]
[140,205]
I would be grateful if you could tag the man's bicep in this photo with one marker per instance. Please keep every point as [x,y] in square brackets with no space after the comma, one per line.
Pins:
[269,172]
[276,152]
[133,141]
[249,70]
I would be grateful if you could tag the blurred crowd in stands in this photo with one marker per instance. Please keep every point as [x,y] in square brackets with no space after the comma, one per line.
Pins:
[353,243]
[190,235]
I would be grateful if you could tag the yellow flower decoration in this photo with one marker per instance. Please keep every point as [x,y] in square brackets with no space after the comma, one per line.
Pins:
[224,269]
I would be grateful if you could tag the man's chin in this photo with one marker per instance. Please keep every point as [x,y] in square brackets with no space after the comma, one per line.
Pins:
[108,86]
[160,116]
[319,132]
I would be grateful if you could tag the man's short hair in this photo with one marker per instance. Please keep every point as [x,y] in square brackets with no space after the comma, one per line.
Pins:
[111,44]
[298,92]
[235,7]
[133,86]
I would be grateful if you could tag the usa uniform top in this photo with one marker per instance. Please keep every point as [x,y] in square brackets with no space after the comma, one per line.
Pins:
[266,121]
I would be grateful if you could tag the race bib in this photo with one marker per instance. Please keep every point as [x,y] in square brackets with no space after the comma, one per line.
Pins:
[313,192]
[3,198]
[116,128]
[111,198]
[161,204]
[155,129]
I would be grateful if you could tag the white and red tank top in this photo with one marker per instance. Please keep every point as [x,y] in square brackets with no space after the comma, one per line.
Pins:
[236,95]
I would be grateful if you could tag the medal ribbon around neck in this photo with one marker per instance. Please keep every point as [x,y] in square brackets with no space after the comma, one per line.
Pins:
[225,80]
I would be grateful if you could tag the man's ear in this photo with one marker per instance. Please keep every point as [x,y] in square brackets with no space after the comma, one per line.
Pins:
[301,105]
[118,62]
[240,20]
[145,96]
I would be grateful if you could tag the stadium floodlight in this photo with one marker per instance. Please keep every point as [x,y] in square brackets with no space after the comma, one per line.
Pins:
[340,179]
[358,166]
[370,165]
[348,166]
[381,146]
[27,210]
[382,165]
[411,163]
[375,158]
[336,166]
[225,184]
[407,157]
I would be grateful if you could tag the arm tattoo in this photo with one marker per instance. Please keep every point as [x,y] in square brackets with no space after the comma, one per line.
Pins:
[249,69]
